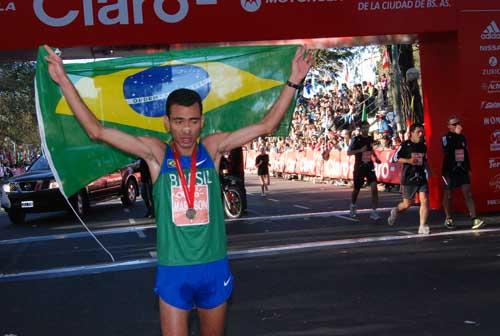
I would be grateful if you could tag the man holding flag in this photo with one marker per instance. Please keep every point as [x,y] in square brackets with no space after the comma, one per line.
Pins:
[193,269]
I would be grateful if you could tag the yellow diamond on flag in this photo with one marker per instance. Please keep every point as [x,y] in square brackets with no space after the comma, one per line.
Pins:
[104,94]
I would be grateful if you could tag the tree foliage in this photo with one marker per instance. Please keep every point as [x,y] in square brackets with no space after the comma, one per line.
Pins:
[17,103]
[332,58]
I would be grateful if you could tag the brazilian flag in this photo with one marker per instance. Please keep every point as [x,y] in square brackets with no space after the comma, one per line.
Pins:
[237,85]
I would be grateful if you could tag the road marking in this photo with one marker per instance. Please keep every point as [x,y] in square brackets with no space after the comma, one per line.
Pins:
[73,235]
[122,230]
[301,207]
[347,218]
[302,247]
[273,200]
[78,270]
[312,214]
[141,234]
[233,255]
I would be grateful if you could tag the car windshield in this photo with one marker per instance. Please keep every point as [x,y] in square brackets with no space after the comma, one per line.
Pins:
[40,164]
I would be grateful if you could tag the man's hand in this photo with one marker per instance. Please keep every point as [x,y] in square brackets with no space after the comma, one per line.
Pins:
[413,161]
[301,64]
[55,66]
[410,161]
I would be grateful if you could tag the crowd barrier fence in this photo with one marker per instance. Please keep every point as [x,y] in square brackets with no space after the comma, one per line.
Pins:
[338,166]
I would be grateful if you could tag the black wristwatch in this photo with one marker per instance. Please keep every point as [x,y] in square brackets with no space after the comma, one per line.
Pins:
[293,85]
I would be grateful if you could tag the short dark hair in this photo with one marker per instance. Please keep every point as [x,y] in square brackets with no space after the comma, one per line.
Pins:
[414,126]
[183,97]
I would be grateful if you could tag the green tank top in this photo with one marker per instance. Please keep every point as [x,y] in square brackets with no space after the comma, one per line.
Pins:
[181,241]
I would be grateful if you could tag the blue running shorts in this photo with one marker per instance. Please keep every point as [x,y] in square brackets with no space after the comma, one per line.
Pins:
[203,286]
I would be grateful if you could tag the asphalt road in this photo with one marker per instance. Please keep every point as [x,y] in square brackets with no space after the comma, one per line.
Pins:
[302,267]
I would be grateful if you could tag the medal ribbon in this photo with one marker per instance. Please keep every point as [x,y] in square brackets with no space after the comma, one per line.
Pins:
[188,193]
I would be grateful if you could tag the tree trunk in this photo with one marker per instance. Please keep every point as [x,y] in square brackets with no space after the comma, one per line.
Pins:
[412,106]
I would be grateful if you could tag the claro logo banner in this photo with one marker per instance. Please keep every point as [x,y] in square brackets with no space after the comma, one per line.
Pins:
[116,13]
[68,23]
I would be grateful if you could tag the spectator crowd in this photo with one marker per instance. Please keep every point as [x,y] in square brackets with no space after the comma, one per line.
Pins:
[327,116]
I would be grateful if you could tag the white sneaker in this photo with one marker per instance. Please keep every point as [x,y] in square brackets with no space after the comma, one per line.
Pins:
[352,211]
[374,215]
[392,218]
[424,230]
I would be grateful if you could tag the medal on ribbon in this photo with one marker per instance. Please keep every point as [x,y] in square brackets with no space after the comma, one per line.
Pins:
[188,191]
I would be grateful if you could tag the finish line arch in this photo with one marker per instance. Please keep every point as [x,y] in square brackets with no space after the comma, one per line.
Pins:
[459,45]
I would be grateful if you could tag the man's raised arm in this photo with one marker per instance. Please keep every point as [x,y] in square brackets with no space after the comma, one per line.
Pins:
[136,146]
[223,142]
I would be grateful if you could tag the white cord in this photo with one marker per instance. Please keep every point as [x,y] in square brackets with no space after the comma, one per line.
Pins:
[88,230]
[41,128]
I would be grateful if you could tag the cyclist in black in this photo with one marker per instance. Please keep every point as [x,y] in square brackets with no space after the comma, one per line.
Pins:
[412,154]
[362,147]
[456,172]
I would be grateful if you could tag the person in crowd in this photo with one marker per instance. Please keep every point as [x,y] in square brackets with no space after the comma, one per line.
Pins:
[413,155]
[262,165]
[362,147]
[456,172]
[345,141]
[384,85]
[191,241]
[398,138]
[237,170]
[383,124]
[147,188]
[4,199]
[2,172]
[385,142]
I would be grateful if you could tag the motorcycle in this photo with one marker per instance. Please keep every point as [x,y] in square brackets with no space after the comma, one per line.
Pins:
[231,196]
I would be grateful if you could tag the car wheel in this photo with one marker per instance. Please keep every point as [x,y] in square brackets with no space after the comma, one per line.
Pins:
[130,194]
[17,217]
[80,203]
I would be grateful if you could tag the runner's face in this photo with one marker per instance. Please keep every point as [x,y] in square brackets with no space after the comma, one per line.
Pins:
[365,129]
[185,124]
[417,135]
[455,126]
